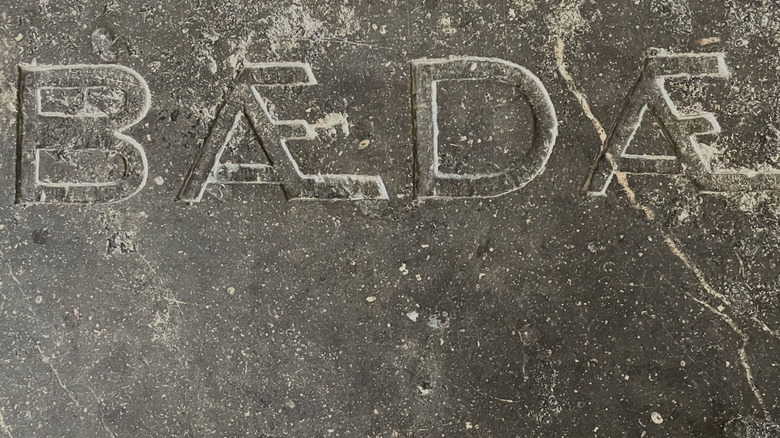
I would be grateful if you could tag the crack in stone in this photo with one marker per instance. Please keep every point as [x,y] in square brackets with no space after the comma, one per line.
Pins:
[47,361]
[743,358]
[668,238]
[572,86]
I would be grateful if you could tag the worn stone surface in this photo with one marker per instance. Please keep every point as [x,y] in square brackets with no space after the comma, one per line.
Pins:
[650,311]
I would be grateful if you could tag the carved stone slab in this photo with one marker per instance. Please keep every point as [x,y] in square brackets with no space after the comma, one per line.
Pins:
[523,218]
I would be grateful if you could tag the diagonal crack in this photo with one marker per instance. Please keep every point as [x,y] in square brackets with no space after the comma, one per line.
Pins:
[47,361]
[668,238]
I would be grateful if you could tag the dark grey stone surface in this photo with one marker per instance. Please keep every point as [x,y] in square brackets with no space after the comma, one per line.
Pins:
[234,310]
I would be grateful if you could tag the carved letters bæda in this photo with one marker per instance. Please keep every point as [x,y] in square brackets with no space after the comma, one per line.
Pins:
[73,117]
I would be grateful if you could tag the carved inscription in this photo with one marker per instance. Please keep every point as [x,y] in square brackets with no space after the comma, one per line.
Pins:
[648,101]
[246,106]
[430,182]
[71,146]
[72,117]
